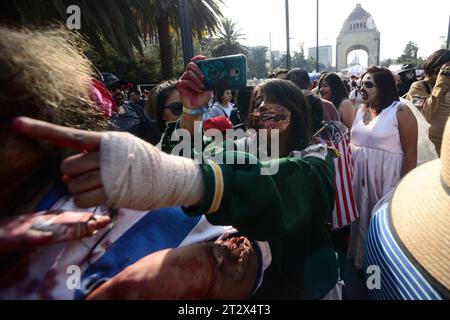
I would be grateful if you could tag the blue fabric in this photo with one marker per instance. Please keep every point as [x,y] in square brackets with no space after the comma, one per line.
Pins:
[260,268]
[159,230]
[400,279]
[49,200]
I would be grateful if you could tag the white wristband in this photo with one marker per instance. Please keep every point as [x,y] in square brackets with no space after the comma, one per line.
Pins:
[136,175]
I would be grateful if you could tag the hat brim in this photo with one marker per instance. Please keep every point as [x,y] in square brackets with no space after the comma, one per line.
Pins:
[420,215]
[406,70]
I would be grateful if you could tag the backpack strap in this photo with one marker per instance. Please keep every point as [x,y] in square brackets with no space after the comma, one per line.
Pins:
[223,111]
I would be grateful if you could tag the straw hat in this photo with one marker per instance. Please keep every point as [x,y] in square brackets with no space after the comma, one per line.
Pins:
[421,217]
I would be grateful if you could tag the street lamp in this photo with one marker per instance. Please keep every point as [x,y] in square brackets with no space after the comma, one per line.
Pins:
[317,38]
[448,34]
[288,39]
[186,32]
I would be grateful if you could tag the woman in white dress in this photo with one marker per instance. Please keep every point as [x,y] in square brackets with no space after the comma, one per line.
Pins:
[384,139]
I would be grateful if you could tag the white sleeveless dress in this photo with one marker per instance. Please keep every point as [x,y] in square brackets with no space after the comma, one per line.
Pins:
[377,156]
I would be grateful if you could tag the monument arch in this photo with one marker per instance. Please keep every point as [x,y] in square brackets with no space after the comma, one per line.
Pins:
[359,32]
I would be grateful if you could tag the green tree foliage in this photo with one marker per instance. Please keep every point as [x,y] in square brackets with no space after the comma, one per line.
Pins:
[386,63]
[410,55]
[125,25]
[257,62]
[141,69]
[113,22]
[204,15]
[227,42]
[298,60]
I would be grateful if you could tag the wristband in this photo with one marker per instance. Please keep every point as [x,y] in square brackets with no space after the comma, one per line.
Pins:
[193,112]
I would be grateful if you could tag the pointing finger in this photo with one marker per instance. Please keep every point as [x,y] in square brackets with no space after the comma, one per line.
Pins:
[57,135]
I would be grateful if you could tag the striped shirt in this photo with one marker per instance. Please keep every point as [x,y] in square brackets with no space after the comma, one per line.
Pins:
[400,279]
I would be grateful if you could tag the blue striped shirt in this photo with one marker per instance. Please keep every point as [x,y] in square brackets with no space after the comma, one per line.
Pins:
[400,279]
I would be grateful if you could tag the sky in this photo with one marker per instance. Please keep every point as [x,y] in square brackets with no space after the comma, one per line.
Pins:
[398,21]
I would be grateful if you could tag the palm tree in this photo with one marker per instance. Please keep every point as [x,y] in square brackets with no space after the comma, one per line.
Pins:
[101,20]
[124,24]
[228,41]
[204,14]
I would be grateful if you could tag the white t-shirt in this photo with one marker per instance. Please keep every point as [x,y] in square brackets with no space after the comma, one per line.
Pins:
[218,110]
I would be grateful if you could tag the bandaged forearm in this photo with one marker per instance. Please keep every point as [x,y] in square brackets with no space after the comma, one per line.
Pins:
[135,175]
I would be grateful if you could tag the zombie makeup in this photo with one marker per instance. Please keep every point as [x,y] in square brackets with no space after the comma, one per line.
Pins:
[271,116]
[369,91]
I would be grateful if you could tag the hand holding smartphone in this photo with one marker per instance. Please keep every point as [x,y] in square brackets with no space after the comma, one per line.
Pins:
[229,72]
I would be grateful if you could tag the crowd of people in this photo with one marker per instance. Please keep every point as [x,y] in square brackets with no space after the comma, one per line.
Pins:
[91,180]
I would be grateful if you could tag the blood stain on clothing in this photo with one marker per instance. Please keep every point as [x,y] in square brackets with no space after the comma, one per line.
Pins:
[48,284]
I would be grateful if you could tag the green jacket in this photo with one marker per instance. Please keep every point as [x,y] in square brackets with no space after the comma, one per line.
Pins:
[290,210]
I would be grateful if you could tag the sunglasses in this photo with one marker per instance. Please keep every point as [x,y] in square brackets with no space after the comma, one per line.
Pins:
[176,108]
[368,84]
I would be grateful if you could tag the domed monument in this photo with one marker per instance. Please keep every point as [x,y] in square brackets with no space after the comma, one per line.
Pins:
[358,33]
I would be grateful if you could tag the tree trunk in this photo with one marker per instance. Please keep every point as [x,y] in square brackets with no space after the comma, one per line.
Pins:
[165,47]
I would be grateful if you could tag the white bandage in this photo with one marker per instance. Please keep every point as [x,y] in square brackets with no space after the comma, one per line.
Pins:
[136,175]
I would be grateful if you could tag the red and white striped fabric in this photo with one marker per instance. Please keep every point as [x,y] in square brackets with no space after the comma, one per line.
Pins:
[345,211]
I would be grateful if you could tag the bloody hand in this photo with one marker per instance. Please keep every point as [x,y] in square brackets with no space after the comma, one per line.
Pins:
[42,229]
[191,88]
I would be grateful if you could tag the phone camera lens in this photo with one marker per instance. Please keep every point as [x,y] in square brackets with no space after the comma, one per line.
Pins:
[235,72]
[214,74]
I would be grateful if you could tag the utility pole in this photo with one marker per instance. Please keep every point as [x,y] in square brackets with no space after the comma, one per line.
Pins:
[271,54]
[448,34]
[317,39]
[186,32]
[288,39]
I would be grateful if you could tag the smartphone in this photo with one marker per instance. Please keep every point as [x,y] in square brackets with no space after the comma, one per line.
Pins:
[229,72]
